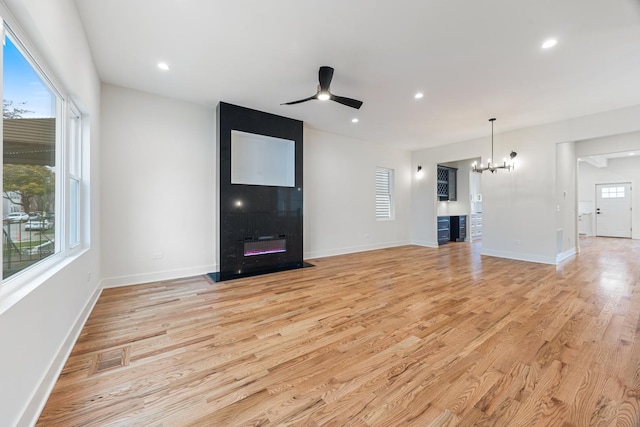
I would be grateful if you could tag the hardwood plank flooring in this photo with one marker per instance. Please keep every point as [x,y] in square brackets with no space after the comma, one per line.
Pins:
[406,336]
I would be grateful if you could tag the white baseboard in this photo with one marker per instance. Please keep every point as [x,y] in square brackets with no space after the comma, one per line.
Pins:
[354,249]
[425,243]
[137,279]
[519,256]
[565,255]
[36,405]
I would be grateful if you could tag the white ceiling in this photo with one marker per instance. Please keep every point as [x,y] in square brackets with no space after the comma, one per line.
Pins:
[472,59]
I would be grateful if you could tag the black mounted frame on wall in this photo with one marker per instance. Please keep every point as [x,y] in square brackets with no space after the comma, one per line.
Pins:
[260,192]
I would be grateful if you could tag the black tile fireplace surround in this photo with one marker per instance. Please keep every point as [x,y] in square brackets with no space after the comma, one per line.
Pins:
[260,225]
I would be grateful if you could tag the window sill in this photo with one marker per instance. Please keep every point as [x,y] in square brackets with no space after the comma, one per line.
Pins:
[23,283]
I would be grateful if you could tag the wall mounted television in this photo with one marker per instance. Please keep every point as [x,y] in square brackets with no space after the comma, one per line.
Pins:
[262,160]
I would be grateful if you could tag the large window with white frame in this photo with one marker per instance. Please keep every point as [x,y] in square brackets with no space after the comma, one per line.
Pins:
[41,141]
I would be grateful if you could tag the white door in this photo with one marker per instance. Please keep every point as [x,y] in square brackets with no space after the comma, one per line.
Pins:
[613,210]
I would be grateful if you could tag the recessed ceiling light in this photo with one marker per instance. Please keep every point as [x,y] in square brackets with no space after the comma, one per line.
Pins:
[355,120]
[549,43]
[632,154]
[418,95]
[163,66]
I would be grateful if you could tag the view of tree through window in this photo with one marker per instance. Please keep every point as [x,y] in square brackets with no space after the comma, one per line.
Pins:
[29,169]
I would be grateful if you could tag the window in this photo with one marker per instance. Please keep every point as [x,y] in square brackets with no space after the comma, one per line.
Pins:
[29,144]
[42,177]
[384,193]
[613,192]
[75,145]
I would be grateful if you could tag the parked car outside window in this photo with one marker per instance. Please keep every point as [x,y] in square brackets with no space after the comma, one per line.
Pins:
[17,217]
[38,225]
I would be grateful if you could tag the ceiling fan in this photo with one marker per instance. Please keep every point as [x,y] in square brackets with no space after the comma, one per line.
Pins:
[325,74]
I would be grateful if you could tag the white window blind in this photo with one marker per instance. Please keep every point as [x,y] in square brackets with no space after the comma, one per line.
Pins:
[384,196]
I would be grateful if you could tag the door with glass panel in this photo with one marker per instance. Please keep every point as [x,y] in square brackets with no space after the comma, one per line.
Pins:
[613,210]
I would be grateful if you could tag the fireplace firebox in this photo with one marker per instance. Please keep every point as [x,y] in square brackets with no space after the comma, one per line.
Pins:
[263,246]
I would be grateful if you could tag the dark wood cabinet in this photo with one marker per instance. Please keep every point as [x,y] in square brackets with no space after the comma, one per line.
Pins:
[452,229]
[443,230]
[446,186]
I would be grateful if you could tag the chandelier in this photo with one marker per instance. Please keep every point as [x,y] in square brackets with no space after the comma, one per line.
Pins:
[494,166]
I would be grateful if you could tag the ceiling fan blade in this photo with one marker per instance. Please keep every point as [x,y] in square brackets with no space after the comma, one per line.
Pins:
[349,102]
[325,74]
[301,100]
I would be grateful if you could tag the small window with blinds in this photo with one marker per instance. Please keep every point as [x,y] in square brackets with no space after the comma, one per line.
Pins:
[384,193]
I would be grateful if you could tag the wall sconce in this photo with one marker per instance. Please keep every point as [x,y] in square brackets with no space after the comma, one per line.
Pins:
[420,172]
[419,168]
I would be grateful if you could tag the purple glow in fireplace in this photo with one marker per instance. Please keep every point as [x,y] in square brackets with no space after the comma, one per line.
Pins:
[262,247]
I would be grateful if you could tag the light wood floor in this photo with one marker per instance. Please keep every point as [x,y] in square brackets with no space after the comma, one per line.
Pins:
[405,336]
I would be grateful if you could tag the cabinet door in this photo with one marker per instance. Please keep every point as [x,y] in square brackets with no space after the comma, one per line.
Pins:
[446,188]
[443,183]
[443,230]
[453,193]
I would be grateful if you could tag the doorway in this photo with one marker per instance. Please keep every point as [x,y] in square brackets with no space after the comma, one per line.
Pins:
[462,216]
[613,210]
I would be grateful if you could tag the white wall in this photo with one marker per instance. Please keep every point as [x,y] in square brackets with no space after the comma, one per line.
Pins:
[566,173]
[159,174]
[339,195]
[609,144]
[475,191]
[520,207]
[39,326]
